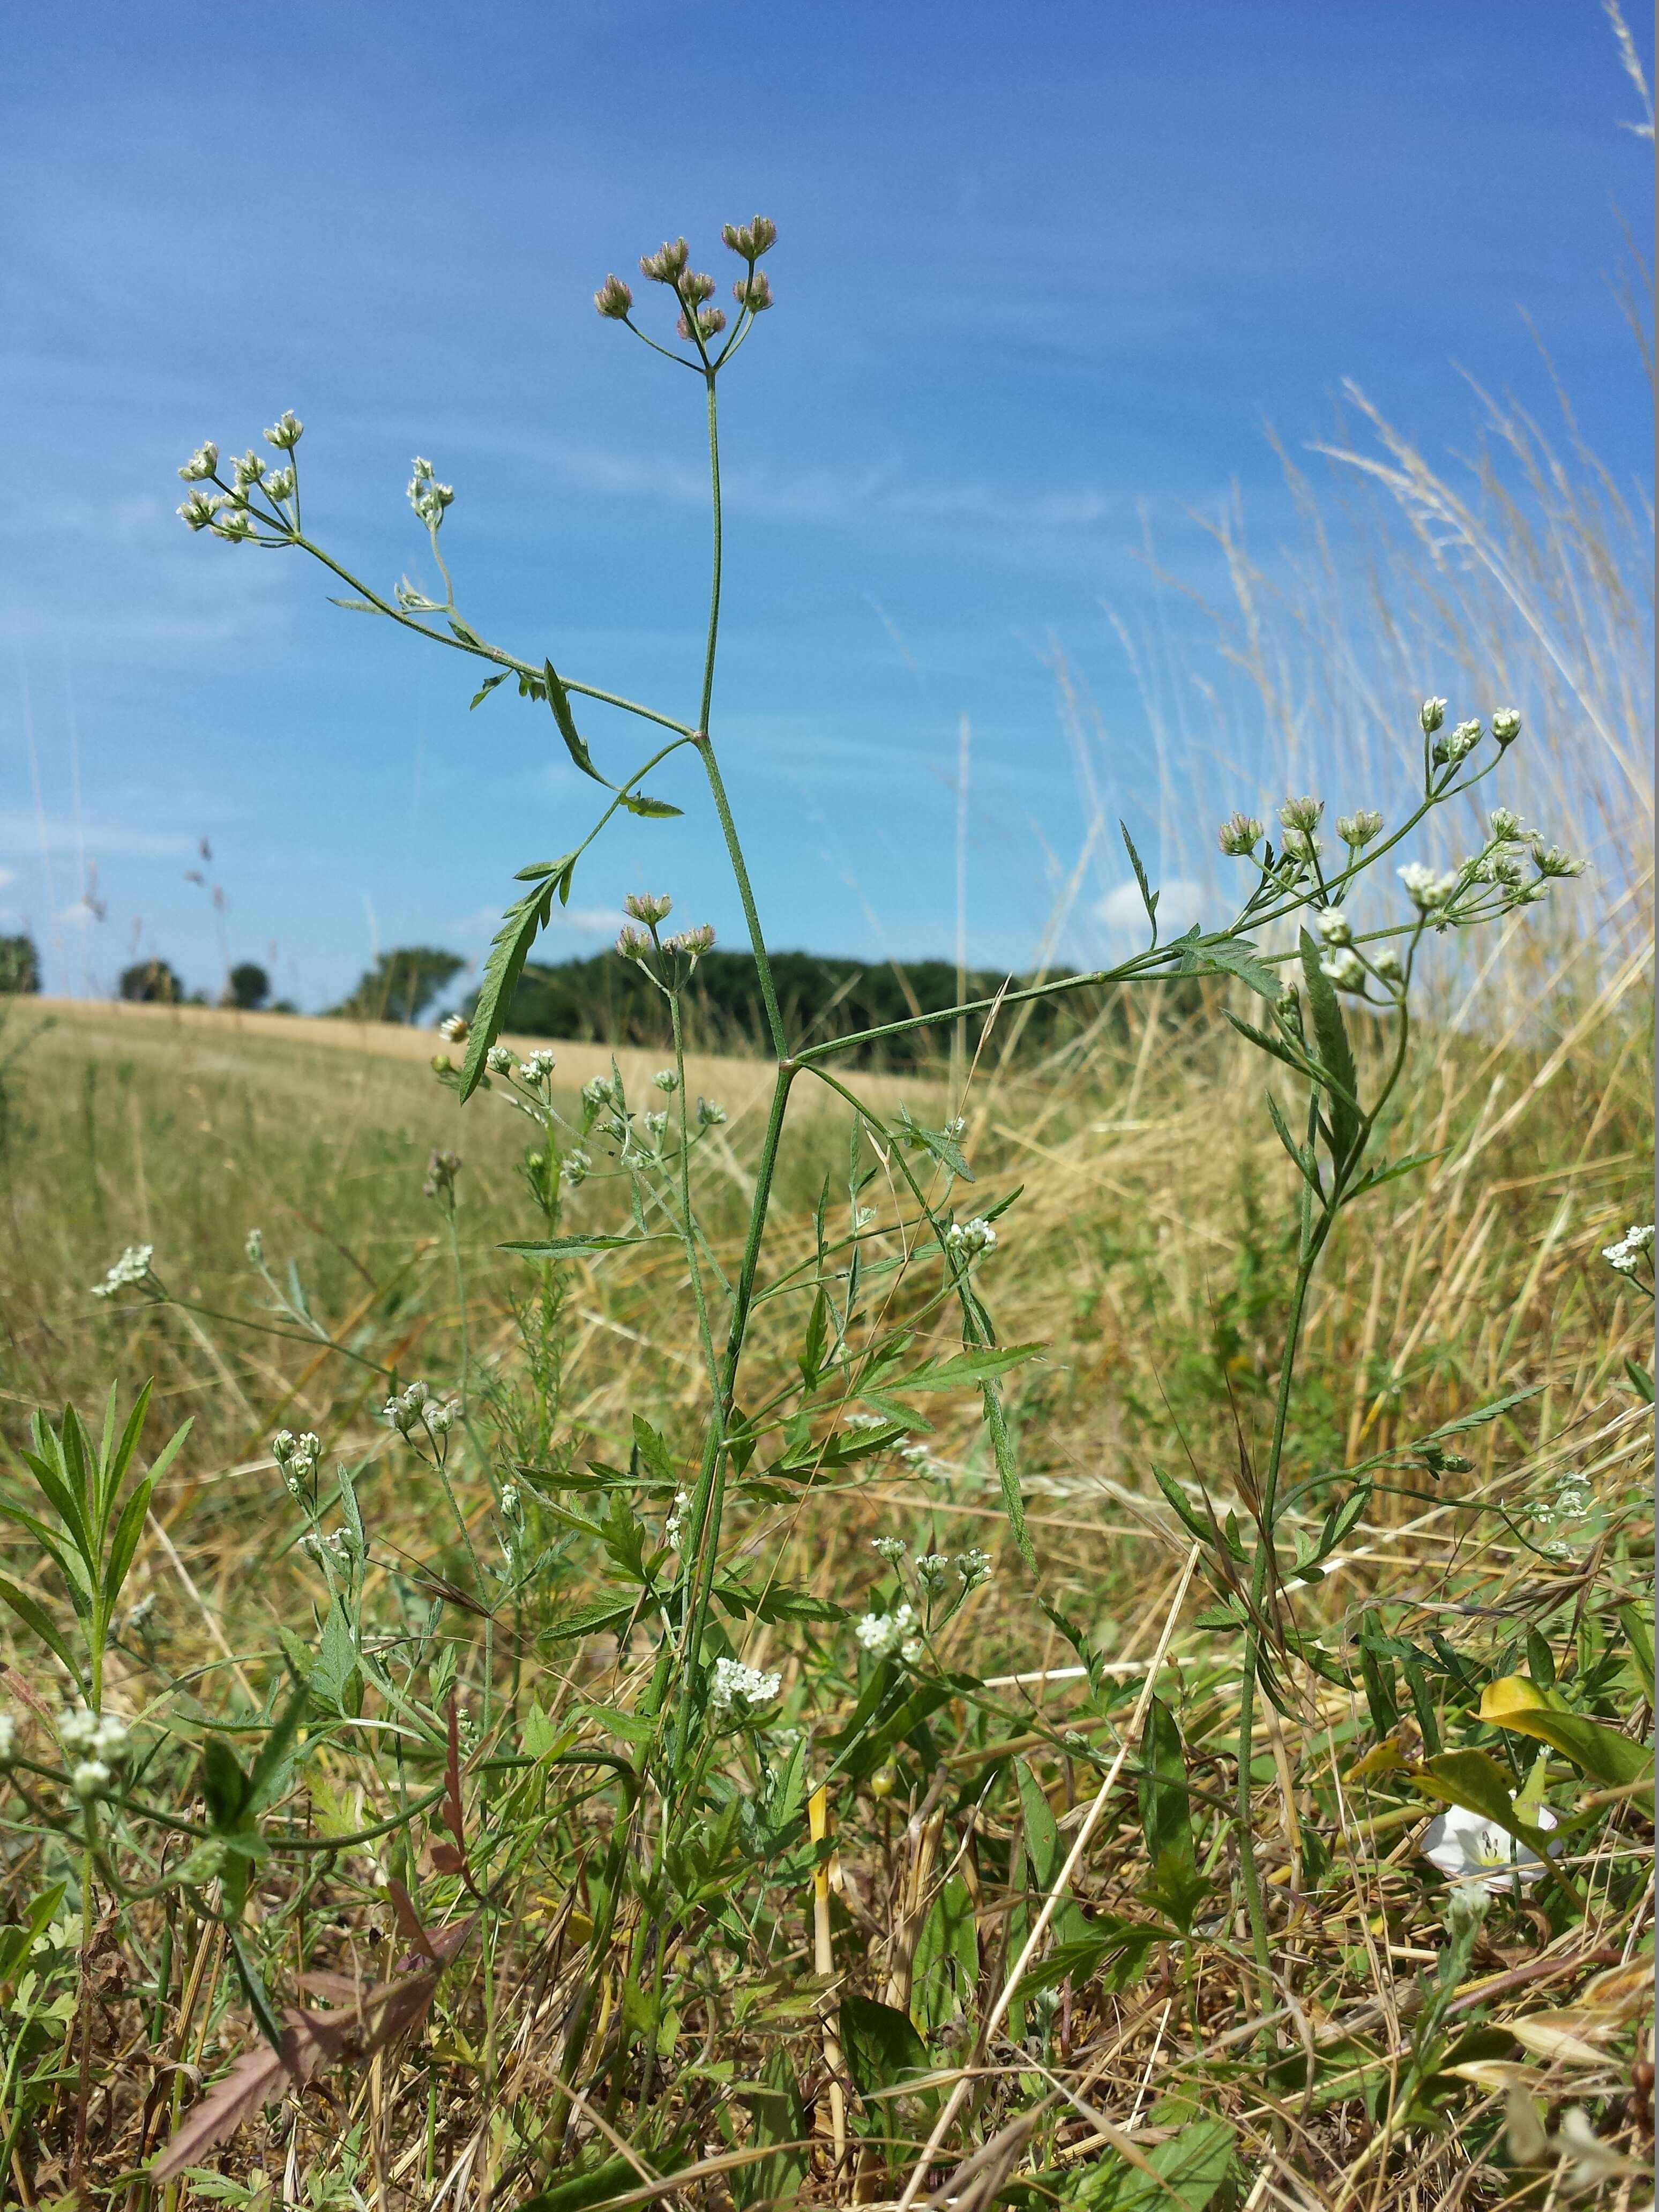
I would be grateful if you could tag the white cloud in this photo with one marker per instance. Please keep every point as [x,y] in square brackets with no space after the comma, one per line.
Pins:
[80,916]
[575,920]
[7,876]
[1124,918]
[24,834]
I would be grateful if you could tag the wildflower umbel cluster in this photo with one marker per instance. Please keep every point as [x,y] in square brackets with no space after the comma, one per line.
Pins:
[1484,886]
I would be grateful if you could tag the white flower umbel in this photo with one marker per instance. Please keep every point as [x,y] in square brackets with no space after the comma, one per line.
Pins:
[131,1268]
[971,1237]
[7,1739]
[101,1733]
[674,1527]
[1474,1851]
[1626,1255]
[1429,891]
[735,1686]
[883,1633]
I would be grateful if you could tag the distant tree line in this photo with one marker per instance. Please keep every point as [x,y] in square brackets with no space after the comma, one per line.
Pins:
[607,1000]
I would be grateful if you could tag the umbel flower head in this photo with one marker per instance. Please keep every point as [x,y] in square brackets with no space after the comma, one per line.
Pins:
[1239,835]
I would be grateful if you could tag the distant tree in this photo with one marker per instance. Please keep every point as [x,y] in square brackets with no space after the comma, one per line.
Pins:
[250,985]
[401,985]
[20,965]
[152,982]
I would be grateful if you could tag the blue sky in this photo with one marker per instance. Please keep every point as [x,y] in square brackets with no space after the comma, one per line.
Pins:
[1045,276]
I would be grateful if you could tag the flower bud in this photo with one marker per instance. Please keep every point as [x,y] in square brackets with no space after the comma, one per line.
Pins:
[199,510]
[1428,891]
[710,322]
[754,292]
[752,239]
[614,301]
[695,288]
[1359,827]
[286,432]
[648,907]
[202,463]
[1431,714]
[667,264]
[632,944]
[1386,961]
[1345,969]
[710,1113]
[499,1061]
[1239,835]
[1301,814]
[247,469]
[1461,743]
[1335,927]
[1506,827]
[1506,727]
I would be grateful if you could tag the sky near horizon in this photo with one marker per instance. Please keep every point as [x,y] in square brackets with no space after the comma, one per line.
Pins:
[1046,277]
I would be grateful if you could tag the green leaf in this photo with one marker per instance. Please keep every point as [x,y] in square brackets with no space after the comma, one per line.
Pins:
[224,1785]
[616,2177]
[1263,1042]
[1149,897]
[269,1775]
[573,1247]
[1002,1451]
[1515,1704]
[508,950]
[487,687]
[1638,1634]
[1045,1853]
[1189,2169]
[1306,1166]
[588,1619]
[336,1657]
[124,1543]
[1114,1949]
[1334,1052]
[1640,1380]
[559,700]
[258,1999]
[1236,956]
[979,1364]
[1374,1178]
[1166,1819]
[34,1616]
[883,2049]
[648,809]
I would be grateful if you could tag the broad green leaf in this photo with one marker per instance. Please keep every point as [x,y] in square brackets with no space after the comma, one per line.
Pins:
[336,1657]
[1166,1819]
[648,809]
[1114,1950]
[614,2177]
[559,700]
[883,2049]
[1149,897]
[224,1785]
[1045,1853]
[1187,2171]
[1514,1703]
[269,1775]
[588,1619]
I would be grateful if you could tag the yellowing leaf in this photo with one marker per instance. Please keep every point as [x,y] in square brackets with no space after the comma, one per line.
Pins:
[1571,2038]
[1520,1705]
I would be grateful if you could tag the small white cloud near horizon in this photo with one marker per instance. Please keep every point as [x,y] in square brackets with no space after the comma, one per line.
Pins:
[576,920]
[1124,917]
[79,915]
[25,836]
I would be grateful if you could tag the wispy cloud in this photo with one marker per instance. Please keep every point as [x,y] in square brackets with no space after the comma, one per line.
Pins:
[1124,918]
[25,835]
[571,921]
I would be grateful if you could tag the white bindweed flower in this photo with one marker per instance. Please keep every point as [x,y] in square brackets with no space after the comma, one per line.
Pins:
[132,1268]
[735,1684]
[1471,1851]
